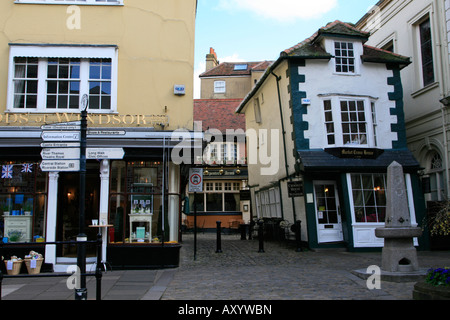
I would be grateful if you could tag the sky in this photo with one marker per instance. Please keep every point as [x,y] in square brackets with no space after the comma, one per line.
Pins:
[258,30]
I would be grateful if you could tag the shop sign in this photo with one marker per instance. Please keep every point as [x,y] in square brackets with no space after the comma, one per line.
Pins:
[295,189]
[60,165]
[195,180]
[355,153]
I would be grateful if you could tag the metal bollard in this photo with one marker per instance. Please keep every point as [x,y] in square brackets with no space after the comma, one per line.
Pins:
[261,236]
[298,233]
[219,238]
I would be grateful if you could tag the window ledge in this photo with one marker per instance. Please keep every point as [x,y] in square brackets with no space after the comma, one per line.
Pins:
[429,87]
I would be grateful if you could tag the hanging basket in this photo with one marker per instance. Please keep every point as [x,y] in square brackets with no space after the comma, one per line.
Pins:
[36,269]
[16,265]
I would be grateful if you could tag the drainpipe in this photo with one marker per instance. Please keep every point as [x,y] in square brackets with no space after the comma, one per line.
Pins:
[286,166]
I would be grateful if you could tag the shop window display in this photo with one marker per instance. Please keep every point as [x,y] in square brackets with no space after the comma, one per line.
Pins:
[136,202]
[23,193]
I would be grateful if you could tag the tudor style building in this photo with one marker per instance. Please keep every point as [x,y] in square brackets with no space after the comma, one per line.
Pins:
[326,119]
[133,60]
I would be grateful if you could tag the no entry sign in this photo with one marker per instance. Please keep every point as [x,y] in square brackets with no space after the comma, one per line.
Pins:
[195,180]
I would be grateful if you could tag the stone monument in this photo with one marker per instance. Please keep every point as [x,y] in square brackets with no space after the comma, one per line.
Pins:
[399,253]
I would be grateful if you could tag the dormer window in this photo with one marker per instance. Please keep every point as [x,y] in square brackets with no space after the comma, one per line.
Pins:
[345,57]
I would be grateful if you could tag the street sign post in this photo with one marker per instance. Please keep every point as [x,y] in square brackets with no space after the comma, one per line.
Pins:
[195,185]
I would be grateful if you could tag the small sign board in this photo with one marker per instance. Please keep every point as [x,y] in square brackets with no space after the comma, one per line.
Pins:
[61,136]
[295,189]
[60,153]
[195,180]
[60,165]
[105,153]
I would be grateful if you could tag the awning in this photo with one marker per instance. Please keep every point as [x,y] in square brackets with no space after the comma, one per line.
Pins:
[321,160]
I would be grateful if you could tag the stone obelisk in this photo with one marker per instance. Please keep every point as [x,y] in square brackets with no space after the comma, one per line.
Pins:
[399,253]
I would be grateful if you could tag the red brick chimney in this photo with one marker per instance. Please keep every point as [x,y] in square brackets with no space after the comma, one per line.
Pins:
[211,60]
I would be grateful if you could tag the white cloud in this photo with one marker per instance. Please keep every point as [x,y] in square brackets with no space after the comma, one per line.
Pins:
[282,10]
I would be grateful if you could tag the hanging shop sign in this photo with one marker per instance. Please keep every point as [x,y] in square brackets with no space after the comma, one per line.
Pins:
[295,189]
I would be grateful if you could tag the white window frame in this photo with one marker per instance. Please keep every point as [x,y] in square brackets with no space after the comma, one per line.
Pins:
[43,52]
[76,2]
[221,152]
[369,105]
[220,86]
[347,57]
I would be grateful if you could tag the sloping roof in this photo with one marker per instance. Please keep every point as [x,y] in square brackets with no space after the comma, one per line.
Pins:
[228,69]
[218,114]
[310,48]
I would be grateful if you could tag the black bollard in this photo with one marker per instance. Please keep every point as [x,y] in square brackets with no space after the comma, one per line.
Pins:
[298,237]
[261,236]
[219,238]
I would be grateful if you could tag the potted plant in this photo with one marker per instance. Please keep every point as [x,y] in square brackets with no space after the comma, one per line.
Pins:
[436,285]
[15,235]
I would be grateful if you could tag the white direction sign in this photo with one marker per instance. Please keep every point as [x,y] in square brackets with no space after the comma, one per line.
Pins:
[61,136]
[60,165]
[195,180]
[105,153]
[73,125]
[60,144]
[60,153]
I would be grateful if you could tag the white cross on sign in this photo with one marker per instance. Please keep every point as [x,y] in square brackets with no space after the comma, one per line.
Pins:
[195,180]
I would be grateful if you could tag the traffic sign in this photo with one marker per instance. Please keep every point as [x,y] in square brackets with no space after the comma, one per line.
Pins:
[60,165]
[61,136]
[195,180]
[105,153]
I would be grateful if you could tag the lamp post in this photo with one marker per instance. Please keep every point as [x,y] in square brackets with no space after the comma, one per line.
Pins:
[81,292]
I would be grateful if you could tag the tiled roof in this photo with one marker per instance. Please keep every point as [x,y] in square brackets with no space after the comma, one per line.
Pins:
[218,114]
[228,69]
[311,48]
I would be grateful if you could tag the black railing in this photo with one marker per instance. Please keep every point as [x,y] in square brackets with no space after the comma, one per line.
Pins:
[98,269]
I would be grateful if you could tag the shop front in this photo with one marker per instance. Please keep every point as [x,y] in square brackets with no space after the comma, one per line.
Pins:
[345,196]
[133,201]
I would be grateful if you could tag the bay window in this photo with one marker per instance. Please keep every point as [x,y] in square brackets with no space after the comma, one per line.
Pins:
[350,121]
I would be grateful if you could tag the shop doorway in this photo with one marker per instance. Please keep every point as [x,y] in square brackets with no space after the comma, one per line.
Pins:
[329,225]
[68,208]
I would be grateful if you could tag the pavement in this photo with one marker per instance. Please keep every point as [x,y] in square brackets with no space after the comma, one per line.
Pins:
[240,272]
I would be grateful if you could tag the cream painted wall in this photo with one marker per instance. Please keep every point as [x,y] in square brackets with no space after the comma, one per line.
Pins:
[155,42]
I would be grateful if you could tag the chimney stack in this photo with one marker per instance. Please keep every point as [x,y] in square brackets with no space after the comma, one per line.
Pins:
[211,60]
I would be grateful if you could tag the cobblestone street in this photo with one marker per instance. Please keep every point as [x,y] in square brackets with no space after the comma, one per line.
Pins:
[240,272]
